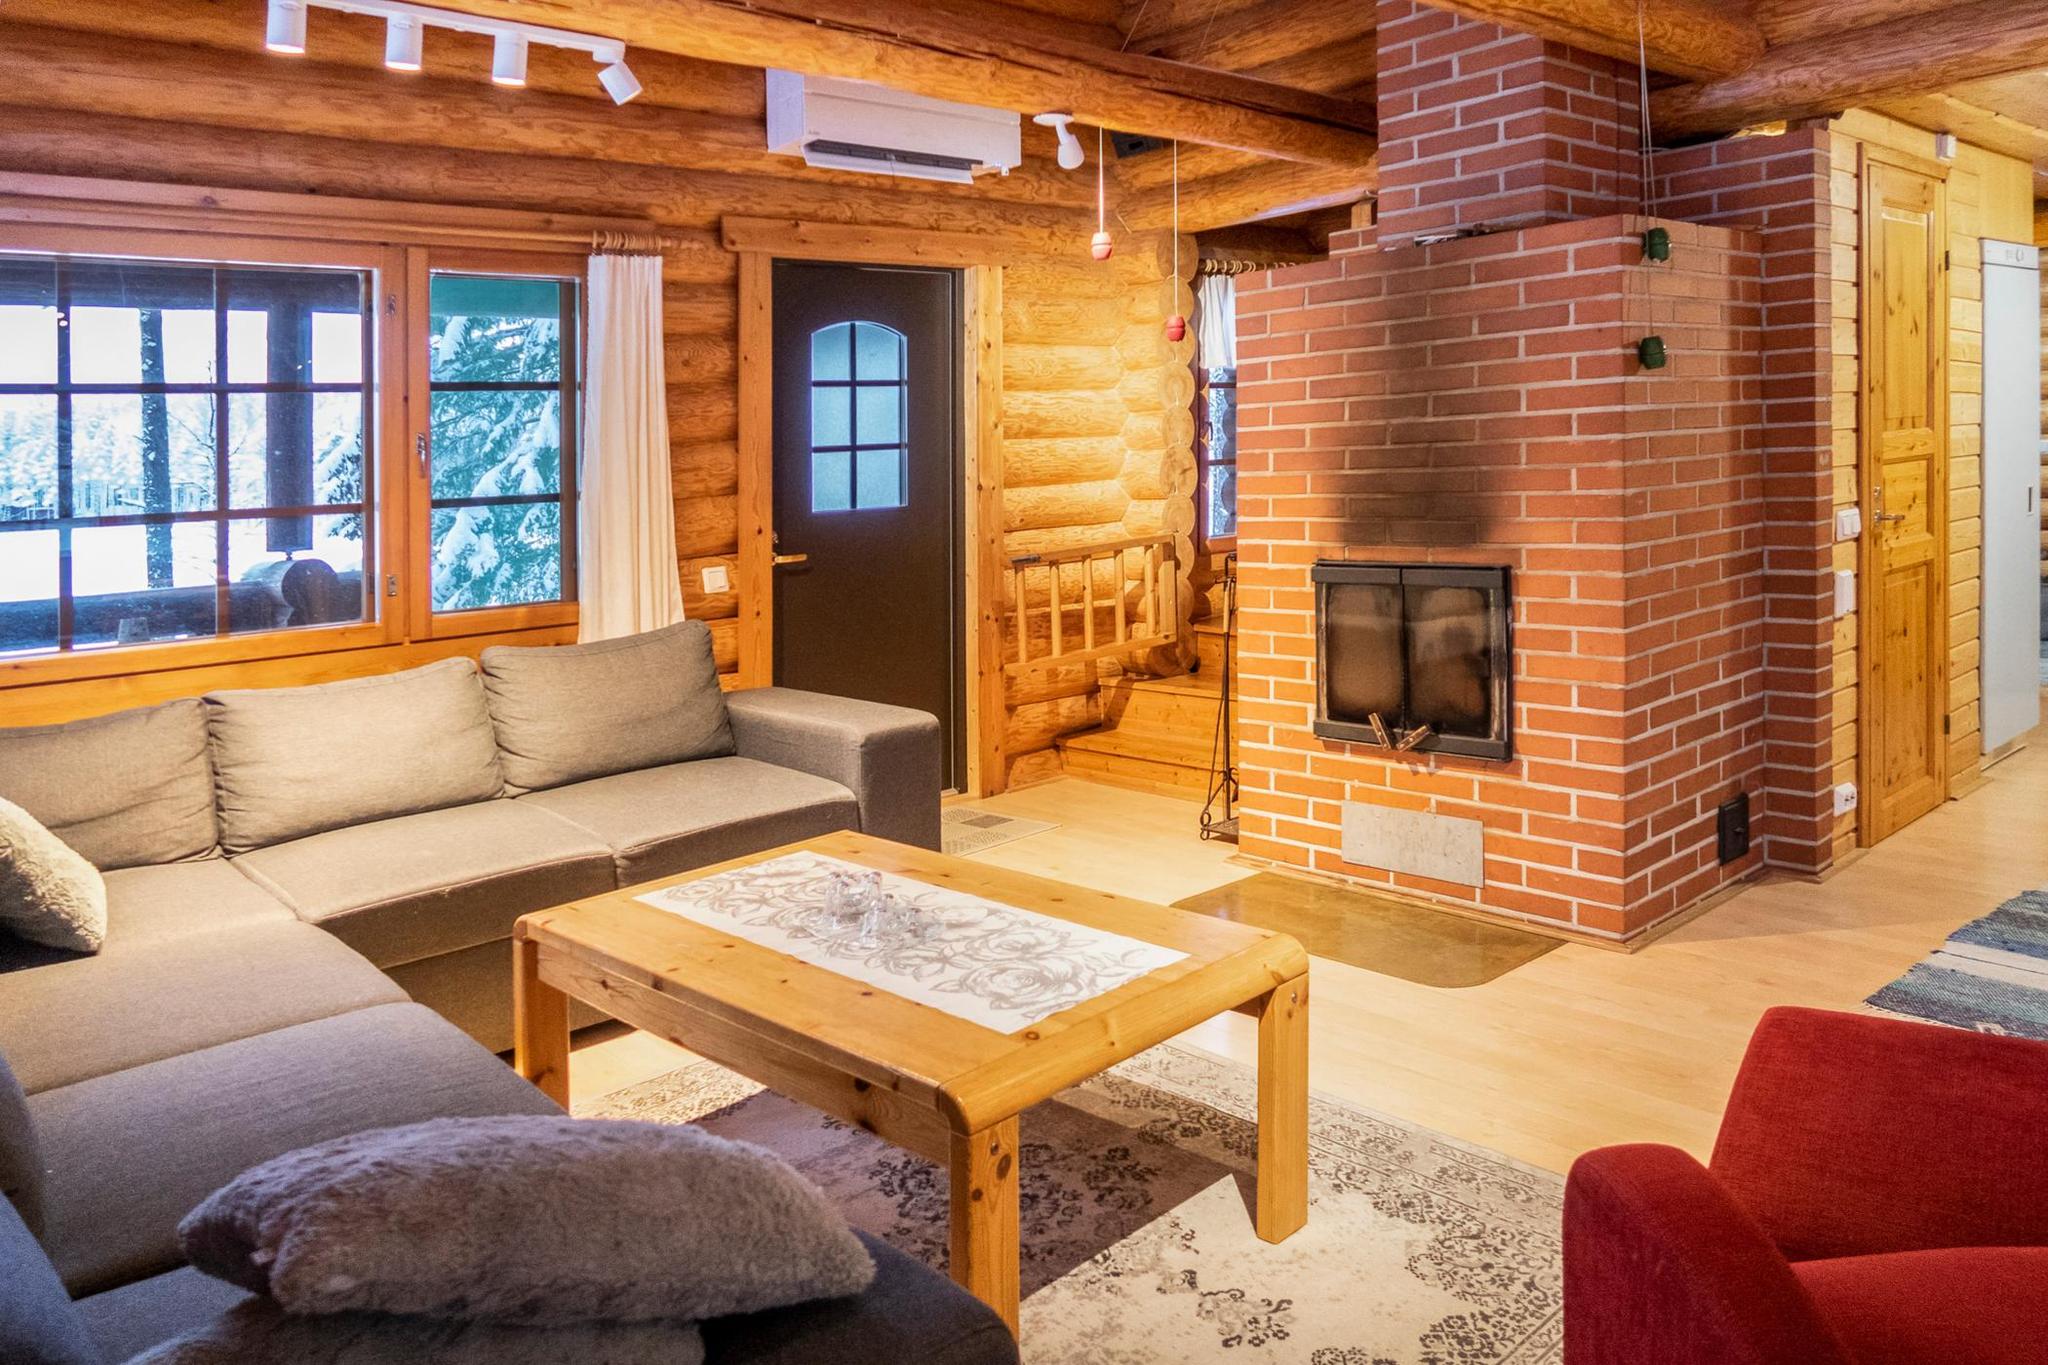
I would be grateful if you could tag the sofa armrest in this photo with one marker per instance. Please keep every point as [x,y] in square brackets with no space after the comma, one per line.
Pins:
[1852,1135]
[1661,1265]
[887,756]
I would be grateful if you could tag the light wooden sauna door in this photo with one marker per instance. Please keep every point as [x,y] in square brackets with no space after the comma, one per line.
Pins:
[1904,656]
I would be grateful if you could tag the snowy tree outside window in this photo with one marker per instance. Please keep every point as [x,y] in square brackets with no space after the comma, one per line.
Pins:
[504,390]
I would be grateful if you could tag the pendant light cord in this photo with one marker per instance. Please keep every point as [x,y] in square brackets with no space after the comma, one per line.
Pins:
[1649,167]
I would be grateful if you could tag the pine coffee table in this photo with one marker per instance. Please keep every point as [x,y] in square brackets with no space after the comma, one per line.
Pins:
[1024,987]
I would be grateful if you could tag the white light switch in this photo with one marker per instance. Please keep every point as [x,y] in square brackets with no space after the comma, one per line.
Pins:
[717,579]
[1848,523]
[1845,591]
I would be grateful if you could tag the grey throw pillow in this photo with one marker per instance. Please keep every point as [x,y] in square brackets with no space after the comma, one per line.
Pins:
[258,1332]
[536,1221]
[566,713]
[48,894]
[293,761]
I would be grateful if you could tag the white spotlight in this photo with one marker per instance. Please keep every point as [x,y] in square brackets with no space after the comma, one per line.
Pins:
[619,81]
[508,60]
[403,42]
[1071,155]
[286,30]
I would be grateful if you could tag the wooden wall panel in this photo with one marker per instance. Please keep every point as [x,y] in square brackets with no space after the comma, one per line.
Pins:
[1989,195]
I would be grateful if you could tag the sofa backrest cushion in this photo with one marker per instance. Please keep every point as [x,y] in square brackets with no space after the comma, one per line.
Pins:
[293,761]
[21,1156]
[567,713]
[123,790]
[39,1325]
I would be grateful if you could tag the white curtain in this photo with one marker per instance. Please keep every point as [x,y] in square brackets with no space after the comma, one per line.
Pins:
[1216,322]
[627,577]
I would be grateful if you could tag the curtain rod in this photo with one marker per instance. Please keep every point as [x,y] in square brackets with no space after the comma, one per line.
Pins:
[605,242]
[1216,267]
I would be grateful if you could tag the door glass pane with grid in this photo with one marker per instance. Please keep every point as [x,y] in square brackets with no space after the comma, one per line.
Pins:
[858,395]
[182,451]
[502,374]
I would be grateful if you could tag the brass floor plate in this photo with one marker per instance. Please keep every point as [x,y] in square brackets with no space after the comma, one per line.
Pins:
[1428,947]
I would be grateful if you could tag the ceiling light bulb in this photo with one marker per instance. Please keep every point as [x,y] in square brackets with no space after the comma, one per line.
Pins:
[619,81]
[1071,156]
[403,43]
[508,60]
[286,29]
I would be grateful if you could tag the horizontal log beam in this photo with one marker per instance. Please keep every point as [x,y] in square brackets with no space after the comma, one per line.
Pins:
[1697,39]
[1910,55]
[1249,196]
[1267,31]
[959,50]
[64,69]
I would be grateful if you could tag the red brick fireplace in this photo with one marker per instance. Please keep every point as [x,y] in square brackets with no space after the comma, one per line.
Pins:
[1480,401]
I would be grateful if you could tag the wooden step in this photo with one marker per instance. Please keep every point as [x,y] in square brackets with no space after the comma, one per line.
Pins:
[1175,764]
[1183,705]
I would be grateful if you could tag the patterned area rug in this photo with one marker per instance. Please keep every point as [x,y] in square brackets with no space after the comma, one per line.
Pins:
[964,830]
[1137,1236]
[1991,975]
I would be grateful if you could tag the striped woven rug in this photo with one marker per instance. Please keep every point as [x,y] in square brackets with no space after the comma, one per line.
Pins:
[1991,975]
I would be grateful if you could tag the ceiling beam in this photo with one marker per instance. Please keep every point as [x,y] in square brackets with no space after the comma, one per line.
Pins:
[1910,55]
[1269,31]
[1251,195]
[959,50]
[1697,39]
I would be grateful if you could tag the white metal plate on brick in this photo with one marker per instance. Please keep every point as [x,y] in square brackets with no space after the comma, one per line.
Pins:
[1447,848]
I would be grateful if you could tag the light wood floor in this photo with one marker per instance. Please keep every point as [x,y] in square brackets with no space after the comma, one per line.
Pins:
[1584,1046]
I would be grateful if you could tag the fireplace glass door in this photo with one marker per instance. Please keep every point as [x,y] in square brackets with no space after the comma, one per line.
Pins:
[1414,657]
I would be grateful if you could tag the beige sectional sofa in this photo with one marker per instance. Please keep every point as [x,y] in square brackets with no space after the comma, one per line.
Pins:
[306,885]
[414,816]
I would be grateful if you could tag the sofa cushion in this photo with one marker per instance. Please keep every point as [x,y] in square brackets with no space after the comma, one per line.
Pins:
[661,821]
[421,885]
[48,894]
[123,790]
[1979,1304]
[38,1323]
[130,1319]
[139,1002]
[910,1312]
[148,905]
[135,1151]
[570,712]
[293,761]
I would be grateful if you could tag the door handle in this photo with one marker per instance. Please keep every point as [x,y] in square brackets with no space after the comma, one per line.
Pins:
[790,559]
[1878,514]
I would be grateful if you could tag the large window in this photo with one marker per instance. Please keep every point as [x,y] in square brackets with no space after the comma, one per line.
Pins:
[295,447]
[181,451]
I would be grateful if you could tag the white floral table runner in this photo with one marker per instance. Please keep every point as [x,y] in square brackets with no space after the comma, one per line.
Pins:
[992,964]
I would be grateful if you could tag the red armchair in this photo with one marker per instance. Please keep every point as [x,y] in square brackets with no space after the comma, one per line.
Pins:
[1878,1195]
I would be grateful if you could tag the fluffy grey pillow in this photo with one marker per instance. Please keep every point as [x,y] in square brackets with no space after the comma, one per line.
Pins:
[258,1332]
[48,894]
[537,1221]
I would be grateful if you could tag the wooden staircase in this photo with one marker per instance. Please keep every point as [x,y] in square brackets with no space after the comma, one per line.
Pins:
[1157,733]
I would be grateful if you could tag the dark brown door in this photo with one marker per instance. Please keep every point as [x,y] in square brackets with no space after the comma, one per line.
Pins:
[867,488]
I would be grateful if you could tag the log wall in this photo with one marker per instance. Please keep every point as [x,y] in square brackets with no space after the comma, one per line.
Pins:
[1098,432]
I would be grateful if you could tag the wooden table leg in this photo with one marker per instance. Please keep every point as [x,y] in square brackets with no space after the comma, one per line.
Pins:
[540,1025]
[984,1257]
[1283,1111]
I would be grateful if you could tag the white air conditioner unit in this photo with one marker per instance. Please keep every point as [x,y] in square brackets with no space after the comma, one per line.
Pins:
[854,126]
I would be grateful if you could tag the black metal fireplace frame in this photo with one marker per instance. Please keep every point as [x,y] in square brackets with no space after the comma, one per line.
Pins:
[1491,577]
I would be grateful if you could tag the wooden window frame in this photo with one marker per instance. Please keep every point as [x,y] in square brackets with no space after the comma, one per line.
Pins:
[422,264]
[113,220]
[383,488]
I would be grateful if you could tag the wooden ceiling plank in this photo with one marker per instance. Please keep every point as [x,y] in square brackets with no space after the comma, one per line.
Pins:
[1915,54]
[1270,31]
[951,49]
[1697,39]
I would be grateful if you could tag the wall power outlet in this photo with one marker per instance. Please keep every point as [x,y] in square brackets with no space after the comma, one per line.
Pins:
[1845,798]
